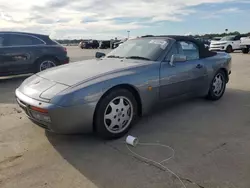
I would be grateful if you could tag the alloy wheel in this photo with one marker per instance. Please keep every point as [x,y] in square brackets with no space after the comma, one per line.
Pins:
[118,114]
[218,84]
[46,65]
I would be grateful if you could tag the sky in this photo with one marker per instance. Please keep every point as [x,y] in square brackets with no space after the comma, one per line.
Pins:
[106,19]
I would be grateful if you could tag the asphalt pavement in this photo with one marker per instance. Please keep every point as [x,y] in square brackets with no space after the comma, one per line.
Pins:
[211,142]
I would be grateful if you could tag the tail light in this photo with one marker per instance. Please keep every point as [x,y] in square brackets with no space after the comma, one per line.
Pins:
[66,61]
[64,49]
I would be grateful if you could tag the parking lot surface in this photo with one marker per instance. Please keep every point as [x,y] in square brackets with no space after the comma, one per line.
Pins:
[211,142]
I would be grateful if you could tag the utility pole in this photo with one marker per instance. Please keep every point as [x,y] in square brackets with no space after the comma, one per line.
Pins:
[128,34]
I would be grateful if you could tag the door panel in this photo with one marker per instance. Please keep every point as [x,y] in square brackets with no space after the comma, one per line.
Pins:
[184,77]
[4,60]
[1,61]
[3,57]
[16,59]
[236,42]
[19,53]
[198,76]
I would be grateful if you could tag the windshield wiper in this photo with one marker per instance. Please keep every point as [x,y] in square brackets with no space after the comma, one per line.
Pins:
[114,56]
[138,57]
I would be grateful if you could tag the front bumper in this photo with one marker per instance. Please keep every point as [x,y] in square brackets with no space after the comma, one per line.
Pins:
[63,120]
[217,48]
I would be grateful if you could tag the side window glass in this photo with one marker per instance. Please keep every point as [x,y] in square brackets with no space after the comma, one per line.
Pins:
[36,41]
[22,40]
[189,49]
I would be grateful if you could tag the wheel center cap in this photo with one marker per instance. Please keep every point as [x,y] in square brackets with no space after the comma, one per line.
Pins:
[119,114]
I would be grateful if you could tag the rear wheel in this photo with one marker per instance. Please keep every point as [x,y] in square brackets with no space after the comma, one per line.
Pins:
[45,63]
[229,49]
[245,50]
[115,114]
[218,86]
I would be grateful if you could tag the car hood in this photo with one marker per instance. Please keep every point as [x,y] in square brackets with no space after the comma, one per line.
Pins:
[45,85]
[83,71]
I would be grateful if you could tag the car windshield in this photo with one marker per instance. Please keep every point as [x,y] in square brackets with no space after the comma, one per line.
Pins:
[143,48]
[227,38]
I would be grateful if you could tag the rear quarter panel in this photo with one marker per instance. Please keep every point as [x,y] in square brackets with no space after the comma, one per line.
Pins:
[214,64]
[50,50]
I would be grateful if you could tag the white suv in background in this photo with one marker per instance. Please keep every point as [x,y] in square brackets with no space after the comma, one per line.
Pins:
[245,44]
[227,44]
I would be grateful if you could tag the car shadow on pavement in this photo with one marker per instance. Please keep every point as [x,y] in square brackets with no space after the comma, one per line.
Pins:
[208,138]
[8,86]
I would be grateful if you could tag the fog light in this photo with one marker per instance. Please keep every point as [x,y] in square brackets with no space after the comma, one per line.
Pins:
[40,116]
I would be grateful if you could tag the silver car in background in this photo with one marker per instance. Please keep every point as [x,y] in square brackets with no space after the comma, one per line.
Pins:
[107,94]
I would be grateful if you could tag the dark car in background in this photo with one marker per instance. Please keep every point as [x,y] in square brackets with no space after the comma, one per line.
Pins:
[205,41]
[117,43]
[90,44]
[22,53]
[105,44]
[82,43]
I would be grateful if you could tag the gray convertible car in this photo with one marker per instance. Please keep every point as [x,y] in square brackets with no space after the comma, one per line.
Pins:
[107,94]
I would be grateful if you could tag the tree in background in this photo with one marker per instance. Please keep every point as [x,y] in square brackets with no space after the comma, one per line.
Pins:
[206,36]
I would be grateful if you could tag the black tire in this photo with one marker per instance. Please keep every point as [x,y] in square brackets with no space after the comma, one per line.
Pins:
[229,49]
[245,50]
[99,124]
[211,93]
[42,60]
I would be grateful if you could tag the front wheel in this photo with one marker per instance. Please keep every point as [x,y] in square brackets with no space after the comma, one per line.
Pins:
[217,87]
[229,49]
[115,114]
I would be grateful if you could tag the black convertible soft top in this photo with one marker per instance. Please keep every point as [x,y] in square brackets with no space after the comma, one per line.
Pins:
[204,52]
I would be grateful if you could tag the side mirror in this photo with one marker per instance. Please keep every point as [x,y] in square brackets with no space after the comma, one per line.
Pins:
[177,58]
[99,54]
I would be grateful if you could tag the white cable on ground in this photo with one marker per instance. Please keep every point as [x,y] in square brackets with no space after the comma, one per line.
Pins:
[155,162]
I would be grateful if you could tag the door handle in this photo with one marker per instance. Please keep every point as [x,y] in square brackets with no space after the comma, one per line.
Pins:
[199,66]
